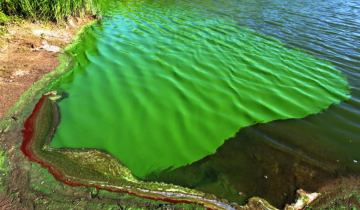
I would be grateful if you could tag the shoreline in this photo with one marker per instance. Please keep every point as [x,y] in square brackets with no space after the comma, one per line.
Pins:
[33,142]
[11,127]
[35,146]
[35,92]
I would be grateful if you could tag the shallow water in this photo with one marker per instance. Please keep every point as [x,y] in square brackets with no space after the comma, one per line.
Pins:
[161,85]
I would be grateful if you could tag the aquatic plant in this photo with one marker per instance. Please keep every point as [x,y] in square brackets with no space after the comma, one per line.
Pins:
[46,9]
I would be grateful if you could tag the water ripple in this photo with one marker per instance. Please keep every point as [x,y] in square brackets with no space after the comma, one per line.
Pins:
[163,84]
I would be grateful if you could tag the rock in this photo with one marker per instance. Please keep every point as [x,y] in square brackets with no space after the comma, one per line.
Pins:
[19,73]
[50,48]
[51,93]
[303,200]
[53,48]
[44,33]
[259,204]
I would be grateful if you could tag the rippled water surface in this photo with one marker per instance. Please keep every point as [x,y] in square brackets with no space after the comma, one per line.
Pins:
[162,85]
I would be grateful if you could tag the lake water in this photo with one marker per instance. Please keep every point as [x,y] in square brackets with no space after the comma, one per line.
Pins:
[235,98]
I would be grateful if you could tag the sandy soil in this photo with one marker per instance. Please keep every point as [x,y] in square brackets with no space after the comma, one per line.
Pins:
[24,57]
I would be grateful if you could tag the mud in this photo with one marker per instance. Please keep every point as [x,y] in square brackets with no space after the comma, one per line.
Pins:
[24,60]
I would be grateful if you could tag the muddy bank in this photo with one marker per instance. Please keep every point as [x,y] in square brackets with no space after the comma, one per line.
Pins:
[28,51]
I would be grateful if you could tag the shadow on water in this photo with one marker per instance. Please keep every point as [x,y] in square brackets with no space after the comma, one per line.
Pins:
[266,160]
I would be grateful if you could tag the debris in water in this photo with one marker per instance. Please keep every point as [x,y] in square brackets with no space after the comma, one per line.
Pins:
[303,200]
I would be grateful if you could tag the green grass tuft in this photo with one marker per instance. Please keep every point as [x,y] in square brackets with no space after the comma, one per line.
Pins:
[48,10]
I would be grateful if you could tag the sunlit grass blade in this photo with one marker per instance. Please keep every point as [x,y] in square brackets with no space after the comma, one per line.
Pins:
[47,9]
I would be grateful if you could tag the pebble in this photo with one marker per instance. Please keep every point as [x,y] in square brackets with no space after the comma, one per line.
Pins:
[10,80]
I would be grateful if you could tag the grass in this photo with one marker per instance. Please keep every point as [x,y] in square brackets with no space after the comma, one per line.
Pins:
[3,20]
[47,10]
[6,21]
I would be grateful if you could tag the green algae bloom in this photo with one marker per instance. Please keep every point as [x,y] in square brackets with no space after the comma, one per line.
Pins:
[160,90]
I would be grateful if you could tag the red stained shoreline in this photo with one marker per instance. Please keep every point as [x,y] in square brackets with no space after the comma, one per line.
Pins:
[28,134]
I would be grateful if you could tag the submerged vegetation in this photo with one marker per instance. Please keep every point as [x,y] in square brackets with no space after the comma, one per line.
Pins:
[48,10]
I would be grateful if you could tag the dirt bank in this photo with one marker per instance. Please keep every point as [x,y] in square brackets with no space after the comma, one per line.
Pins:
[27,52]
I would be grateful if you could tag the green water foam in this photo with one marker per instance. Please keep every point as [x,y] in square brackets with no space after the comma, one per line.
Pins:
[161,87]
